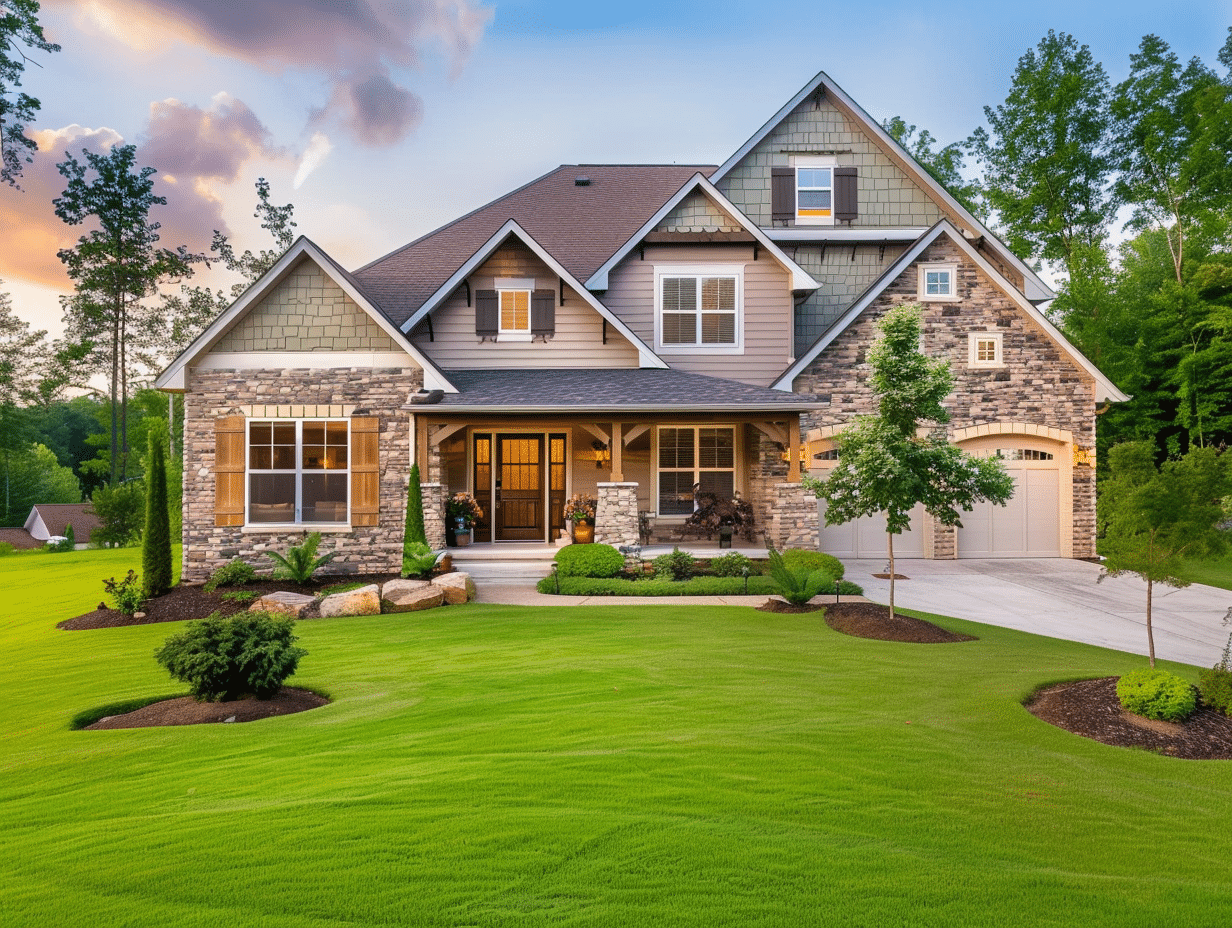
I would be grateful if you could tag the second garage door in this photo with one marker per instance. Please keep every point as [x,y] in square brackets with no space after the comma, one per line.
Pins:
[866,537]
[1028,526]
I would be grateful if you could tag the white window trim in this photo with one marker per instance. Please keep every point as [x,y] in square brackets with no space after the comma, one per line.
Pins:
[824,161]
[973,340]
[299,471]
[925,297]
[699,270]
[697,468]
[516,284]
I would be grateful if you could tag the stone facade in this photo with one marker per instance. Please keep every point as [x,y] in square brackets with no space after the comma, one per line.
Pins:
[793,521]
[212,394]
[616,514]
[433,495]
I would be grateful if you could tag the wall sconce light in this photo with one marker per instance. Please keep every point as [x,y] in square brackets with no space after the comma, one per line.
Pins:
[805,457]
[602,454]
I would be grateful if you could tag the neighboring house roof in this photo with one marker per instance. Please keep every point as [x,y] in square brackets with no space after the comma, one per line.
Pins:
[646,355]
[800,278]
[580,226]
[1105,389]
[173,378]
[54,519]
[19,538]
[1037,290]
[619,390]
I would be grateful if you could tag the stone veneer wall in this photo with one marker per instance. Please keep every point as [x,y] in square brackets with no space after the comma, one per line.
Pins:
[616,514]
[1038,385]
[794,522]
[215,393]
[766,468]
[434,514]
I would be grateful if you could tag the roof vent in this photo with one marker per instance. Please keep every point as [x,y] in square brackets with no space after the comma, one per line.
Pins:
[582,181]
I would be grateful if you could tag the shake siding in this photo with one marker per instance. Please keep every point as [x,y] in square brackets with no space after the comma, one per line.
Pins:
[767,309]
[578,342]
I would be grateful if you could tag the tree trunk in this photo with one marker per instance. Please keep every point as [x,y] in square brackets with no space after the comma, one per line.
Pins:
[1150,636]
[890,548]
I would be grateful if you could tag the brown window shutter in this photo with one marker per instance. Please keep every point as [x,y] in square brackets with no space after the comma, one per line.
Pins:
[846,195]
[782,194]
[543,312]
[365,474]
[229,470]
[487,313]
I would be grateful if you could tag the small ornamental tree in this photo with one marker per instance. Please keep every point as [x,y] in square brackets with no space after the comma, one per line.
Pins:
[156,539]
[1151,519]
[885,465]
[414,510]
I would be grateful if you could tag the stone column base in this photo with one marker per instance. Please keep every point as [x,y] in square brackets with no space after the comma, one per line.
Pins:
[616,514]
[794,522]
[433,495]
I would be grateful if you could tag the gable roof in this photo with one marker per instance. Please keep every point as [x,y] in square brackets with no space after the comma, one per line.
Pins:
[1105,389]
[1037,290]
[646,356]
[800,278]
[20,539]
[579,225]
[173,378]
[56,517]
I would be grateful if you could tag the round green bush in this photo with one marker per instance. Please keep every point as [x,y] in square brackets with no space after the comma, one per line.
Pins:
[731,565]
[233,573]
[226,658]
[1156,694]
[675,565]
[800,558]
[589,561]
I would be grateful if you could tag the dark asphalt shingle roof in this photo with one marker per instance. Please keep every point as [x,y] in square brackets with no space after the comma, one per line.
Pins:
[58,516]
[19,538]
[581,227]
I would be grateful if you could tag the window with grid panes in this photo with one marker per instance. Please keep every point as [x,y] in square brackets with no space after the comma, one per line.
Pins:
[699,310]
[298,471]
[689,456]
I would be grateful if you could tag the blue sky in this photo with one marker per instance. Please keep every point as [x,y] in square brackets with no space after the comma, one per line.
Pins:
[395,116]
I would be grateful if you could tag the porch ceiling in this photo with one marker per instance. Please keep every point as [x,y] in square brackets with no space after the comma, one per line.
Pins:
[608,391]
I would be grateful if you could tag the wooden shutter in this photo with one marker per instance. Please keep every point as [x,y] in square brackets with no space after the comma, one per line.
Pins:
[487,313]
[782,194]
[543,312]
[365,474]
[229,470]
[846,195]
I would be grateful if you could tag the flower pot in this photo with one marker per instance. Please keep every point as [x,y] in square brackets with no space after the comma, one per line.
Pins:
[462,538]
[583,532]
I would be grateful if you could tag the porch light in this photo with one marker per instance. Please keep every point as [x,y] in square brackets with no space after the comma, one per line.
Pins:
[805,457]
[602,454]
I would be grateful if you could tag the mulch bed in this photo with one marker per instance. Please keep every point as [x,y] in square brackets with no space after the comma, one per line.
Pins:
[782,607]
[871,620]
[187,711]
[183,603]
[1090,708]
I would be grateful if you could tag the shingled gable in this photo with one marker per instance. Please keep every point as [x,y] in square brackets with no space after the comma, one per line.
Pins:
[801,280]
[1036,290]
[174,377]
[1105,389]
[646,356]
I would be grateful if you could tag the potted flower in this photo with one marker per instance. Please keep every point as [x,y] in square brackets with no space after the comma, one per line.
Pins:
[580,510]
[462,510]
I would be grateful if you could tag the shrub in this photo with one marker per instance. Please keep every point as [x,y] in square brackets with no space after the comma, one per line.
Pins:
[813,560]
[694,586]
[1156,694]
[233,573]
[67,543]
[731,565]
[156,539]
[675,565]
[240,596]
[301,561]
[589,561]
[1215,684]
[127,594]
[418,559]
[121,510]
[223,659]
[797,585]
[6,548]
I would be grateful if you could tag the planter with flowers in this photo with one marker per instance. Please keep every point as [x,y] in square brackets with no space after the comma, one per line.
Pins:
[580,511]
[462,512]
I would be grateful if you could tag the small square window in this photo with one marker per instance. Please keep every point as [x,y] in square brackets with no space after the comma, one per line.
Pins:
[938,282]
[984,350]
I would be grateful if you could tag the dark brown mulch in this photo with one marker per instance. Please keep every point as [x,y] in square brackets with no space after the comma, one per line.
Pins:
[888,577]
[1090,708]
[183,603]
[187,711]
[871,620]
[782,607]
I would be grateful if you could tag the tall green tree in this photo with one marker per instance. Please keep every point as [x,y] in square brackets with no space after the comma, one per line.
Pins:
[945,165]
[115,267]
[278,221]
[1152,519]
[20,32]
[156,539]
[31,476]
[20,353]
[890,462]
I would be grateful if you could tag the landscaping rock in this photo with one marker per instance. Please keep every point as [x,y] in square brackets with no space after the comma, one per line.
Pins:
[364,601]
[458,587]
[292,604]
[410,596]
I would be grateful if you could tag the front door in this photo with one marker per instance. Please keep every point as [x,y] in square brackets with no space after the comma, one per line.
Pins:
[519,507]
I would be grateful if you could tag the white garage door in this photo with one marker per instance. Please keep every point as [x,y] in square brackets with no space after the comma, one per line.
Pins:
[867,537]
[1028,526]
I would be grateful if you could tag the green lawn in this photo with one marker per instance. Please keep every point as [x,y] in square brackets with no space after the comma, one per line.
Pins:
[1211,571]
[649,766]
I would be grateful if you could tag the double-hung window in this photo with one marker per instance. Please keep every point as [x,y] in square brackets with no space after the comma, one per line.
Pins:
[815,194]
[514,307]
[692,456]
[699,309]
[298,471]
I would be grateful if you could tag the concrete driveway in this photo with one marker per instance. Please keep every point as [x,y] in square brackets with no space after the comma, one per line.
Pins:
[1061,599]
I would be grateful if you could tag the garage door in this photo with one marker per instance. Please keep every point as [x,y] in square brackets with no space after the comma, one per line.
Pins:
[1028,526]
[867,537]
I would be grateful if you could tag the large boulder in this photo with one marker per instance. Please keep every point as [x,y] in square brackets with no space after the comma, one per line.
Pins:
[366,600]
[410,596]
[458,587]
[292,604]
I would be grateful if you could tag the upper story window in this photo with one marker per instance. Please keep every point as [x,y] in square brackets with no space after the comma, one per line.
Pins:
[984,350]
[938,282]
[514,307]
[298,471]
[815,194]
[699,309]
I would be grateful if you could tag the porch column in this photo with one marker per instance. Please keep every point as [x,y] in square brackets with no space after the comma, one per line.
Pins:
[616,514]
[434,514]
[616,446]
[793,448]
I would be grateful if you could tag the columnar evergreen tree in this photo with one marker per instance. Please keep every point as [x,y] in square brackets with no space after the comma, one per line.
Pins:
[415,531]
[156,540]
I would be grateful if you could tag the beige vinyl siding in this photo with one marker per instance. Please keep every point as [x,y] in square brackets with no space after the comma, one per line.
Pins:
[578,342]
[767,309]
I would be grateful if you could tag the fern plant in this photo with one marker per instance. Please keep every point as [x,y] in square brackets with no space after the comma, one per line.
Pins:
[301,561]
[797,585]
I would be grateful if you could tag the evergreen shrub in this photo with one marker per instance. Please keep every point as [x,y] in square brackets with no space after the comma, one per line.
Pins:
[731,565]
[235,572]
[675,565]
[1156,694]
[225,658]
[589,561]
[794,558]
[1215,684]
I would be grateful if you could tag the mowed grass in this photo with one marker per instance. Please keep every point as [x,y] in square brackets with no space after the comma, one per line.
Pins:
[1215,571]
[648,766]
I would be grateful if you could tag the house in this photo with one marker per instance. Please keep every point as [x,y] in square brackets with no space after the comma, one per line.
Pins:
[634,331]
[52,520]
